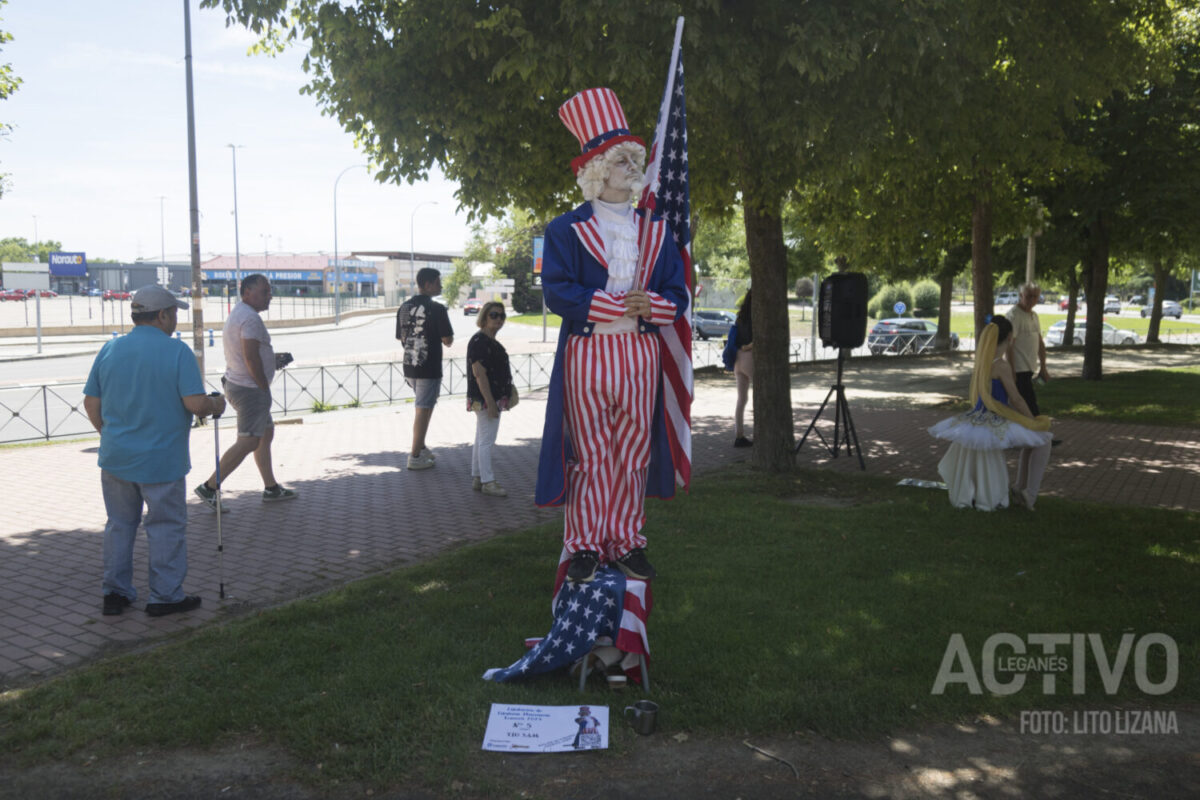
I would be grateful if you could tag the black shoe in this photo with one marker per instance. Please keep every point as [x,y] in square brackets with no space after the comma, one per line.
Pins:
[635,565]
[742,441]
[162,609]
[114,604]
[582,568]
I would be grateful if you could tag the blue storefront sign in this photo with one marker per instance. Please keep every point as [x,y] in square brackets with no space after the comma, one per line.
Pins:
[291,275]
[68,265]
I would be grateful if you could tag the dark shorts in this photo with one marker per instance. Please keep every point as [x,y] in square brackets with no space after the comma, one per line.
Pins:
[1025,389]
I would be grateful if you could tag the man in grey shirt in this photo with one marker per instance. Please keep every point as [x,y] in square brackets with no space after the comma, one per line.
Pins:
[249,368]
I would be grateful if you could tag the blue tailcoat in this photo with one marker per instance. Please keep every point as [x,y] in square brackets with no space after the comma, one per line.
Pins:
[570,276]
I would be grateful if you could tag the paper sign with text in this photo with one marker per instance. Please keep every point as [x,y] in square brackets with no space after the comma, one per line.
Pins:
[546,729]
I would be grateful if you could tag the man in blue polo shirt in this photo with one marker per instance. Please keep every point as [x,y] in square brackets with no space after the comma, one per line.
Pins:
[140,395]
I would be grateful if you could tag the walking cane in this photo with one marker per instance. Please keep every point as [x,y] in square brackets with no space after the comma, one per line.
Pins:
[220,541]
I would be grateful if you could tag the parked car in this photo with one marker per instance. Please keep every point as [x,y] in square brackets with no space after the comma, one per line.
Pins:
[116,294]
[472,307]
[1170,309]
[94,293]
[1112,304]
[43,292]
[1110,335]
[904,335]
[12,294]
[1137,300]
[1066,301]
[707,324]
[1007,298]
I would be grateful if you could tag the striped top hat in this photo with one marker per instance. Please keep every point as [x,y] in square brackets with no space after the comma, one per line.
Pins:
[596,118]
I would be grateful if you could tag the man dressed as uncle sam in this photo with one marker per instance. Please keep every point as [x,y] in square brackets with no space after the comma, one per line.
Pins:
[605,446]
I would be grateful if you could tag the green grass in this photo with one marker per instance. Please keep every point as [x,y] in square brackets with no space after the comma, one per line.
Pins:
[1144,397]
[813,601]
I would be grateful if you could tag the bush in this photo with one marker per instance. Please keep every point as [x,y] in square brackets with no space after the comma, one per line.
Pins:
[882,304]
[926,297]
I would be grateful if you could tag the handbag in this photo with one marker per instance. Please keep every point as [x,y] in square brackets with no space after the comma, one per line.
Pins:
[513,397]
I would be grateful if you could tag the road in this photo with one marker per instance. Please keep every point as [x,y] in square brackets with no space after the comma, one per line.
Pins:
[357,340]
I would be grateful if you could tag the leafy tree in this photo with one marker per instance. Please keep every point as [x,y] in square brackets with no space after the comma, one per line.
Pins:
[509,247]
[779,92]
[1138,199]
[8,84]
[460,277]
[18,249]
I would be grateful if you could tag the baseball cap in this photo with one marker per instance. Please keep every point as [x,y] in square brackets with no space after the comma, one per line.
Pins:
[154,298]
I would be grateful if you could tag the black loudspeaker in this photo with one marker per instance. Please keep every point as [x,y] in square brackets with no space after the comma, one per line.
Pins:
[843,319]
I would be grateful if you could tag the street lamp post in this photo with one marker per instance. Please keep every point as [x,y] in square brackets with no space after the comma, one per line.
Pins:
[337,267]
[237,250]
[412,248]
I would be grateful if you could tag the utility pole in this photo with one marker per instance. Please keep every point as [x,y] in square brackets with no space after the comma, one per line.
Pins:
[193,199]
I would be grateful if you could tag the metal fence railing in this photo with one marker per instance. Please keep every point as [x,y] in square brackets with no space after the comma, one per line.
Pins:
[55,410]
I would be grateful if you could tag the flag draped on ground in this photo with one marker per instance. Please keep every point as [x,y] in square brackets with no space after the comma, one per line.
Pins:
[666,194]
[610,606]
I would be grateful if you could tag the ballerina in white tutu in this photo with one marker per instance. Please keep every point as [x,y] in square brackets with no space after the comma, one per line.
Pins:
[974,468]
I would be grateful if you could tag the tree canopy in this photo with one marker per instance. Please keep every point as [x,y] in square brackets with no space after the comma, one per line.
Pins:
[906,128]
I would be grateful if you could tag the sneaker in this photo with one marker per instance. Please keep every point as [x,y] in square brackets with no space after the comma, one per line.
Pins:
[494,489]
[635,565]
[742,441]
[278,493]
[209,496]
[114,604]
[582,568]
[427,453]
[476,484]
[162,609]
[419,462]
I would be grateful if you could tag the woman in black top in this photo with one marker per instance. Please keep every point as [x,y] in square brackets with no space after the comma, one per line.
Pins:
[743,371]
[489,390]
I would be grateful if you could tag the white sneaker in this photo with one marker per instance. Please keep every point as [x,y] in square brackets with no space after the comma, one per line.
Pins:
[419,462]
[494,489]
[427,453]
[476,483]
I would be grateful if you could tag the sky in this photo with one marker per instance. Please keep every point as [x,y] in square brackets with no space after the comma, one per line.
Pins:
[100,134]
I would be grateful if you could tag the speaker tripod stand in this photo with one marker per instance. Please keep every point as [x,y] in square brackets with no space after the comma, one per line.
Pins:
[843,424]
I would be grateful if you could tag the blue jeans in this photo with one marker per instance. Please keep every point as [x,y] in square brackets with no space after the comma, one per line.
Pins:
[166,534]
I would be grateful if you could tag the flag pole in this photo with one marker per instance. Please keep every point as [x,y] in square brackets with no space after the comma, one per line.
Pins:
[651,189]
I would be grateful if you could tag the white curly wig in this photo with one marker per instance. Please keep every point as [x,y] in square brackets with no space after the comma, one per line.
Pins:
[594,173]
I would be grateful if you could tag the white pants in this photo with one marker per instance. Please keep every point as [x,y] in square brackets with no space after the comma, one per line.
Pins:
[486,429]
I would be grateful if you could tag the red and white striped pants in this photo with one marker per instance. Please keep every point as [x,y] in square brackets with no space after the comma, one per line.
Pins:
[610,383]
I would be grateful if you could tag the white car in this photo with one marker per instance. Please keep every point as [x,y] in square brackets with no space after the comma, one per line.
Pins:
[1169,309]
[1112,304]
[1110,335]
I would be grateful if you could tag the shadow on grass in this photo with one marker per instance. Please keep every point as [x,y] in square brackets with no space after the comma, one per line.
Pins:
[772,616]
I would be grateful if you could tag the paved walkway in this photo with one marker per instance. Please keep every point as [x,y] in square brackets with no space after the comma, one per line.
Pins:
[355,513]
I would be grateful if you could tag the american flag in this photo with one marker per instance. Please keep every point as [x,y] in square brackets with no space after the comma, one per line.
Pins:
[666,193]
[610,606]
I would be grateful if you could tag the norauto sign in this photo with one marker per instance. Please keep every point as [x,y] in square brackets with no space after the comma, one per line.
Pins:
[68,264]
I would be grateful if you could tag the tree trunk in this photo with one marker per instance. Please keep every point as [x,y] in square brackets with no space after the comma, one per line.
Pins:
[1072,308]
[946,283]
[773,427]
[981,260]
[1095,282]
[1162,270]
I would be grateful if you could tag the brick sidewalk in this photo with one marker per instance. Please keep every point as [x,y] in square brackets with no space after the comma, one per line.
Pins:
[351,519]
